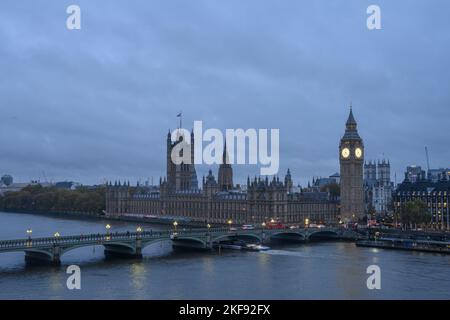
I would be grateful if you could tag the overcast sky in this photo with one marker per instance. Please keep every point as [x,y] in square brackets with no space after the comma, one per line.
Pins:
[96,103]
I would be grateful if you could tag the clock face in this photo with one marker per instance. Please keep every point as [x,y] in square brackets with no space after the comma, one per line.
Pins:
[345,152]
[358,152]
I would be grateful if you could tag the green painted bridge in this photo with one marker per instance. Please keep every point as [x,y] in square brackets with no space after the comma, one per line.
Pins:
[131,244]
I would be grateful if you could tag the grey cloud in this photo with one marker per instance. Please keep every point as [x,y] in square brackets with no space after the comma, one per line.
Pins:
[97,103]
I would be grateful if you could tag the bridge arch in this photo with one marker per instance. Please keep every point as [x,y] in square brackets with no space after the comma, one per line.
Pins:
[288,236]
[64,250]
[39,253]
[147,243]
[240,236]
[125,247]
[320,234]
[190,243]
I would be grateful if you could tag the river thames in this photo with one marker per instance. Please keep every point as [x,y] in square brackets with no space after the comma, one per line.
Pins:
[320,270]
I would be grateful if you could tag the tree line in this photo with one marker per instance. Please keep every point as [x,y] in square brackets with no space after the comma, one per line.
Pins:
[37,198]
[414,213]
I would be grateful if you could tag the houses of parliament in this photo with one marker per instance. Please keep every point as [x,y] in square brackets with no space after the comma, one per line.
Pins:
[263,199]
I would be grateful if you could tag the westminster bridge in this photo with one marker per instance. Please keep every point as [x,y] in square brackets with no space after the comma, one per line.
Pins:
[131,244]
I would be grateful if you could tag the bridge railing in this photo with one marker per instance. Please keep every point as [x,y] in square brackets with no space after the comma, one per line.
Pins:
[26,242]
[128,236]
[101,237]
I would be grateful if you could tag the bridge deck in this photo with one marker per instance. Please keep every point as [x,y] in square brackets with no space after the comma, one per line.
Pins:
[145,236]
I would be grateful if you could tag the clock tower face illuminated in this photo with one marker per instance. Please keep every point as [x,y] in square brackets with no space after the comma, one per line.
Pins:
[345,153]
[351,158]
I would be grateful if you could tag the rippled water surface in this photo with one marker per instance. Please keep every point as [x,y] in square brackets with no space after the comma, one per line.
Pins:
[326,270]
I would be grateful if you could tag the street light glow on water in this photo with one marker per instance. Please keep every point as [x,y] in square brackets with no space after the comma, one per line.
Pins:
[323,270]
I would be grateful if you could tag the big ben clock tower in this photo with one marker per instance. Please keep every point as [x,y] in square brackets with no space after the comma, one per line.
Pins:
[351,158]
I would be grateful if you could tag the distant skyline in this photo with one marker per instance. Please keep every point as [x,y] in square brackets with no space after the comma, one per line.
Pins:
[95,104]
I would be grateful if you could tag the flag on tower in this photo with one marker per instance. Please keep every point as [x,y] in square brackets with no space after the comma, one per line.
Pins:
[181,119]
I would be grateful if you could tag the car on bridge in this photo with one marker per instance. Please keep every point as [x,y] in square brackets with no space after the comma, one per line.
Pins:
[318,226]
[275,225]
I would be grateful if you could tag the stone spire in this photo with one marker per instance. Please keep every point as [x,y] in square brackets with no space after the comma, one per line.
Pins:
[351,131]
[351,119]
[225,178]
[225,158]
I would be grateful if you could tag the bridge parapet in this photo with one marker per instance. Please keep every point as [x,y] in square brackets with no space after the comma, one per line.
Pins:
[132,243]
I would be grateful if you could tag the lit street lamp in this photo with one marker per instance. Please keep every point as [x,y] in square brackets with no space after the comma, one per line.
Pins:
[56,235]
[175,224]
[29,232]
[263,224]
[107,228]
[138,232]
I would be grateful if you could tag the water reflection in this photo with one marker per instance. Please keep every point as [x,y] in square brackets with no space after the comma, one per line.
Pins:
[137,272]
[329,270]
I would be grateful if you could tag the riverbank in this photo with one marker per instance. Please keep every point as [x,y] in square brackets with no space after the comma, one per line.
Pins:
[181,222]
[407,245]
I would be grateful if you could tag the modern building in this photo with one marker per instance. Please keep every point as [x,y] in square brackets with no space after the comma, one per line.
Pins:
[435,195]
[415,173]
[351,158]
[436,175]
[220,201]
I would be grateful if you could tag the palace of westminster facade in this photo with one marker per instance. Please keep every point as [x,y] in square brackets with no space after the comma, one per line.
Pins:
[220,201]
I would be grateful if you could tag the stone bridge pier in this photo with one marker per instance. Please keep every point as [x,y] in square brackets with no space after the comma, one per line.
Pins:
[45,256]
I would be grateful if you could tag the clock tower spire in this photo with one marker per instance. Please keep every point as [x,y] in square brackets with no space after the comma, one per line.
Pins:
[351,159]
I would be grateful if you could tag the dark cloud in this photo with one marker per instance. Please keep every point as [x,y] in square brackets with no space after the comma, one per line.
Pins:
[97,103]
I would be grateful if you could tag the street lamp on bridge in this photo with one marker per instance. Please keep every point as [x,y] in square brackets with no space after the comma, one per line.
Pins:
[29,232]
[138,232]
[56,235]
[107,228]
[175,224]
